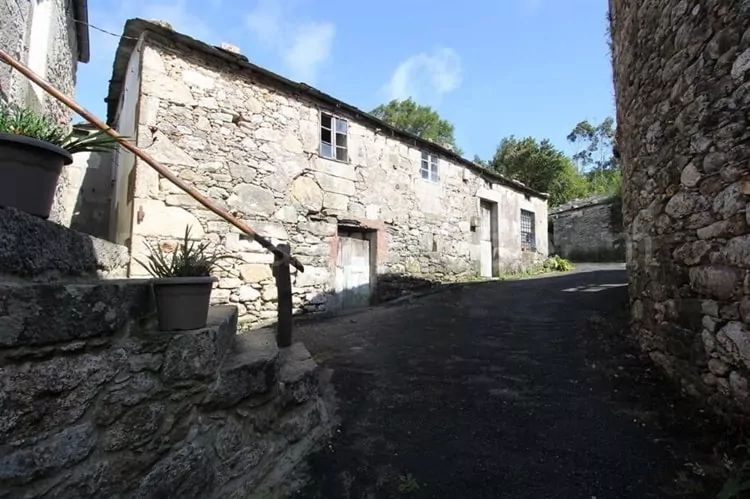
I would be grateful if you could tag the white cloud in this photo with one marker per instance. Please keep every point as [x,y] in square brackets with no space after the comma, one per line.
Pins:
[310,48]
[426,77]
[303,46]
[531,6]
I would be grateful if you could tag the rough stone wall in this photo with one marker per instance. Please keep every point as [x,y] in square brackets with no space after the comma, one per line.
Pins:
[682,77]
[587,230]
[15,19]
[96,405]
[254,149]
[60,71]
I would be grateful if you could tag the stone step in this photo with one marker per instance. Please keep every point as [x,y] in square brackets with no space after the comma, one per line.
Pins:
[40,250]
[250,370]
[59,314]
[200,353]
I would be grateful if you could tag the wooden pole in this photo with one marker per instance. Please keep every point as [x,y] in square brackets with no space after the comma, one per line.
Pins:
[284,300]
[163,171]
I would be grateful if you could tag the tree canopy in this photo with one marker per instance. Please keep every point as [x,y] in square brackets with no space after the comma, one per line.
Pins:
[539,165]
[595,158]
[421,120]
[543,167]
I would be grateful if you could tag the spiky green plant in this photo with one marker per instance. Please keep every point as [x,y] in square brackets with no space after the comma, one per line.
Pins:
[29,123]
[189,259]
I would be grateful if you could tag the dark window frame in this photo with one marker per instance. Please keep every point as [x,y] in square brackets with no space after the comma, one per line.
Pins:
[528,230]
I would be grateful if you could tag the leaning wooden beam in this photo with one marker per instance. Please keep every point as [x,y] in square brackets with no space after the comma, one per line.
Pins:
[163,170]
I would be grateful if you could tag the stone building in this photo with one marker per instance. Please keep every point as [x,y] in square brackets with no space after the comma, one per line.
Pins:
[588,230]
[682,78]
[51,37]
[360,202]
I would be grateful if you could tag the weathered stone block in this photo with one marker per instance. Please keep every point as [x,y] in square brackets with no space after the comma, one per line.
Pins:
[135,428]
[738,251]
[730,201]
[307,194]
[248,294]
[684,203]
[745,309]
[691,253]
[713,280]
[43,396]
[298,374]
[32,248]
[321,229]
[252,200]
[313,276]
[119,396]
[718,367]
[39,314]
[185,473]
[59,451]
[250,372]
[197,354]
[336,185]
[734,339]
[254,272]
[335,202]
[163,221]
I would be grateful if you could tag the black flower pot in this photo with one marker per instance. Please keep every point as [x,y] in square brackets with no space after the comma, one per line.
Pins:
[29,169]
[182,302]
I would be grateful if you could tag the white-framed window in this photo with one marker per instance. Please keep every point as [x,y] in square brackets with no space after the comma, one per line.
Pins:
[334,137]
[429,167]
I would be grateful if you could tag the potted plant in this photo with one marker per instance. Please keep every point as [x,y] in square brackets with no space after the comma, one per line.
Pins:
[182,283]
[33,151]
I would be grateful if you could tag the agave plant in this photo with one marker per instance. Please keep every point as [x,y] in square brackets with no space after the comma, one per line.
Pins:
[189,259]
[29,123]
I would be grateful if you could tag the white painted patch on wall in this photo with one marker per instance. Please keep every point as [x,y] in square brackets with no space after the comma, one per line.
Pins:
[39,41]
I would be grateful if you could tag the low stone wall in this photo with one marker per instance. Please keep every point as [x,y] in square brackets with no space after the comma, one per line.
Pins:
[588,230]
[99,404]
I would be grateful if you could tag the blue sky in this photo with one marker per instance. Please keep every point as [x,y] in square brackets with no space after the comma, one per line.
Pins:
[491,67]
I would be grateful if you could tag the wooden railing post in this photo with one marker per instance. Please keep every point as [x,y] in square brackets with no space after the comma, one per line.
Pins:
[282,273]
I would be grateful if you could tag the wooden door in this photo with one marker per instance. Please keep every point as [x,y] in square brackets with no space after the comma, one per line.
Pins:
[353,270]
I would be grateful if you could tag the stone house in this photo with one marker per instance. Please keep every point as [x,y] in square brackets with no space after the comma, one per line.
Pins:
[51,37]
[588,229]
[360,202]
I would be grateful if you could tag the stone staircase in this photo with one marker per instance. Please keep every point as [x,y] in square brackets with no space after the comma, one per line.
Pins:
[96,402]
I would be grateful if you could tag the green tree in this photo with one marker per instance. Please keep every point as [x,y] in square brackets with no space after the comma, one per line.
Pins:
[540,166]
[420,120]
[596,143]
[595,158]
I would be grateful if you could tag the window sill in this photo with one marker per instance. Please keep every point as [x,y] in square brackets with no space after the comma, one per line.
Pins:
[347,162]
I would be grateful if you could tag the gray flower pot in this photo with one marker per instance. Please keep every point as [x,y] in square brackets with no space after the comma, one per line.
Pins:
[29,169]
[182,302]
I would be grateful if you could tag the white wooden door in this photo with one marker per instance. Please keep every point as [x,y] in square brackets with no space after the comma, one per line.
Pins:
[353,270]
[485,233]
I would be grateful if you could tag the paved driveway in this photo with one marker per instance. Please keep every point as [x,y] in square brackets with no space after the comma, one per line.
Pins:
[482,392]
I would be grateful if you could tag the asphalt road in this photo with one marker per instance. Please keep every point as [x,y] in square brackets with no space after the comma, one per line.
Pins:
[482,392]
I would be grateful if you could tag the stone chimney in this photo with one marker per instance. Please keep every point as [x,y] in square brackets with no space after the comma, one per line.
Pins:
[230,48]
